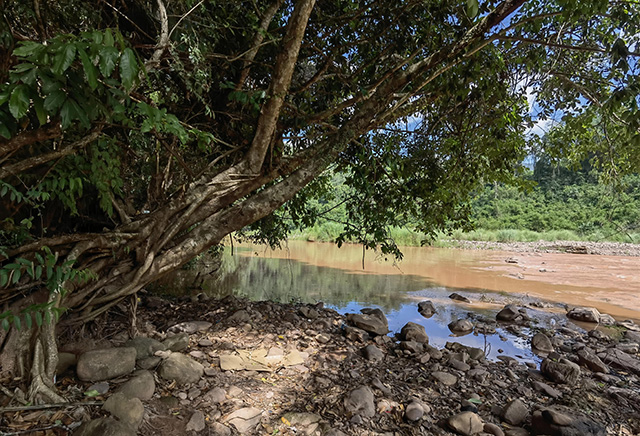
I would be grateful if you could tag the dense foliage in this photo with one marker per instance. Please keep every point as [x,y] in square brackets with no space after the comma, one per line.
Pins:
[137,134]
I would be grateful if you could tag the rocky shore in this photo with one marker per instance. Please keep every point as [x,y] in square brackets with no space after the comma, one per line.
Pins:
[573,247]
[229,367]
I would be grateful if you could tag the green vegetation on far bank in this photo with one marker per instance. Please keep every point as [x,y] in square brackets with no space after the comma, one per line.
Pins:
[557,204]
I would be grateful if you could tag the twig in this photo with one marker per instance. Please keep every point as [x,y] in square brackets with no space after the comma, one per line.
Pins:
[50,406]
[9,394]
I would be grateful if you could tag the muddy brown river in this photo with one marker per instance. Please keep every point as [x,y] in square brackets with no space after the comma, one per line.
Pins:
[310,272]
[609,283]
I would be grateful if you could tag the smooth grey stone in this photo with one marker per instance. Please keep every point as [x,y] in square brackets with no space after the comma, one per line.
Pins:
[105,364]
[515,412]
[360,401]
[466,423]
[145,347]
[104,427]
[141,386]
[127,410]
[183,369]
[177,342]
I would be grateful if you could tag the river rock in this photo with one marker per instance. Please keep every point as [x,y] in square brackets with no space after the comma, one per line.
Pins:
[445,378]
[606,319]
[183,369]
[196,422]
[426,309]
[370,320]
[546,389]
[305,423]
[412,347]
[629,325]
[562,371]
[466,423]
[355,334]
[105,427]
[145,347]
[589,359]
[553,422]
[414,332]
[141,386]
[515,412]
[244,420]
[632,336]
[105,364]
[371,352]
[493,429]
[508,313]
[458,297]
[177,342]
[620,359]
[461,326]
[65,361]
[360,401]
[128,410]
[628,347]
[414,411]
[215,396]
[190,327]
[585,314]
[542,343]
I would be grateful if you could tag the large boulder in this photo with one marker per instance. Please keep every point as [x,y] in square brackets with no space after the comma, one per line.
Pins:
[508,313]
[370,320]
[104,427]
[541,342]
[589,359]
[426,309]
[105,364]
[562,371]
[141,386]
[620,359]
[515,412]
[128,410]
[585,314]
[145,347]
[181,368]
[414,332]
[554,422]
[461,326]
[360,401]
[466,423]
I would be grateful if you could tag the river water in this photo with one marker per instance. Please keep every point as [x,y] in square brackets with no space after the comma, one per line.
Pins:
[343,280]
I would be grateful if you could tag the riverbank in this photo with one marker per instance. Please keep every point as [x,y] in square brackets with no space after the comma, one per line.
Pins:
[232,366]
[572,247]
[508,240]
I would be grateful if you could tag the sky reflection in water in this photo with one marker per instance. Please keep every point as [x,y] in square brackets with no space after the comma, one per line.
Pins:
[285,280]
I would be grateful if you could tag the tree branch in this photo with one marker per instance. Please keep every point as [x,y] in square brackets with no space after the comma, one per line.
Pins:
[49,131]
[285,63]
[35,161]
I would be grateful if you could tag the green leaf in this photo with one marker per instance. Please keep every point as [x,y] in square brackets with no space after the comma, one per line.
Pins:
[38,317]
[68,113]
[4,131]
[19,101]
[92,393]
[4,277]
[64,59]
[54,101]
[38,104]
[108,38]
[472,8]
[90,70]
[38,272]
[47,316]
[474,401]
[128,68]
[5,324]
[27,320]
[108,59]
[17,323]
[16,276]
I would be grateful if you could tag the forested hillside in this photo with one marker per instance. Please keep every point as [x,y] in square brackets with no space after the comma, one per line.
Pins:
[553,201]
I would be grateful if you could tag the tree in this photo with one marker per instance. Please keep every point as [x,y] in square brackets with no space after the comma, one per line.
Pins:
[136,137]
